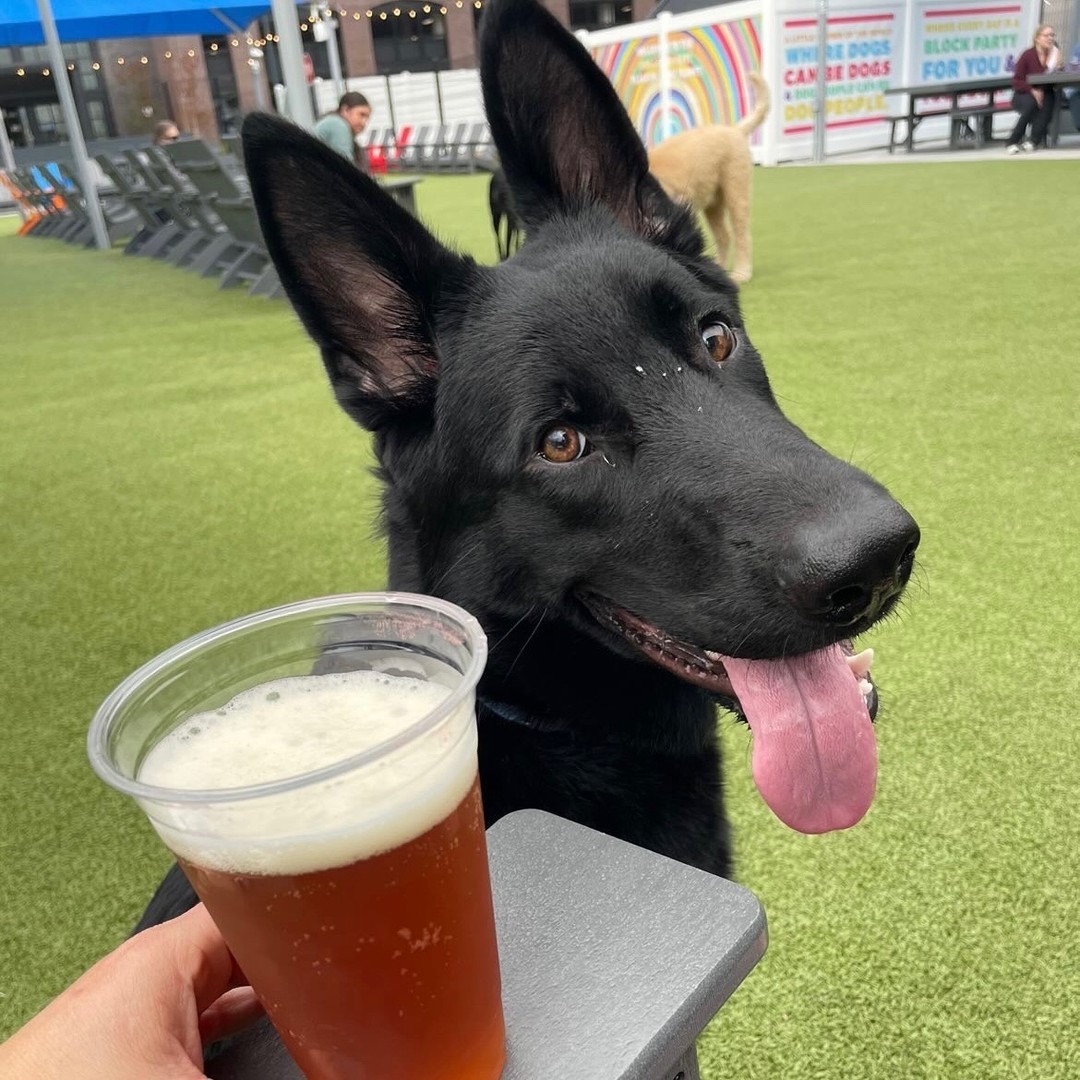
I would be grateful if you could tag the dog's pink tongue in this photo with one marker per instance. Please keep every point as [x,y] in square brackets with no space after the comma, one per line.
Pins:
[815,758]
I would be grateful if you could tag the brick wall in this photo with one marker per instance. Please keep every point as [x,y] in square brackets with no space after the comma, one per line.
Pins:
[187,87]
[245,80]
[357,47]
[132,86]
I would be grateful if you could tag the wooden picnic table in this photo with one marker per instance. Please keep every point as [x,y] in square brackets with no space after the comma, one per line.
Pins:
[613,958]
[961,117]
[1056,79]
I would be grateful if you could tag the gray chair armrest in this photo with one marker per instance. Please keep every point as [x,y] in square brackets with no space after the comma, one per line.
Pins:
[613,958]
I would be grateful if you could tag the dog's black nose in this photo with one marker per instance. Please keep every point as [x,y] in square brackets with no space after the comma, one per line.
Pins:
[844,569]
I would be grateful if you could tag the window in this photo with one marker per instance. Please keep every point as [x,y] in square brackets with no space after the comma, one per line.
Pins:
[97,120]
[596,14]
[410,40]
[48,124]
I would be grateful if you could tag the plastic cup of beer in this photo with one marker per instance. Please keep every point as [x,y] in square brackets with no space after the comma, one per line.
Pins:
[313,769]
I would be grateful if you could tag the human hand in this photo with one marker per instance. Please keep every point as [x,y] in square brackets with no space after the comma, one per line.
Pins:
[1038,96]
[144,1012]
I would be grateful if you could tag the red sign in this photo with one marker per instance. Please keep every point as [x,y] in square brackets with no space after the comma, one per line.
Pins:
[309,69]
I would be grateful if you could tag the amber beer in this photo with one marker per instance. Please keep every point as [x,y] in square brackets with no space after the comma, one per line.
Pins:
[399,946]
[332,825]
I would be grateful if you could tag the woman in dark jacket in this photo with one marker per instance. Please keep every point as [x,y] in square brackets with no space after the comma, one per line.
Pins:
[1035,104]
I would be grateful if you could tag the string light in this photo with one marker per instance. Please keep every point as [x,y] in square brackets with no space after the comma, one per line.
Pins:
[45,71]
[20,71]
[357,14]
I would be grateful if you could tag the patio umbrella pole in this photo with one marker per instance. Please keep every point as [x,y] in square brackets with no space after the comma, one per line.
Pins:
[7,157]
[291,52]
[71,119]
[333,57]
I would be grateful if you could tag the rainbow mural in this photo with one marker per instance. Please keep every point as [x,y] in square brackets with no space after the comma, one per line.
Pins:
[708,67]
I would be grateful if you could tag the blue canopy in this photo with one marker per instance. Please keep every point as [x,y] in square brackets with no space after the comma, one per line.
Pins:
[93,20]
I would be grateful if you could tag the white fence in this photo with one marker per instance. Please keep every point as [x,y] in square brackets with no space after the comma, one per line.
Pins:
[676,72]
[412,99]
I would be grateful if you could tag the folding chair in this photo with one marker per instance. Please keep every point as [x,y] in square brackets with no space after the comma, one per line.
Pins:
[150,210]
[203,232]
[414,148]
[121,222]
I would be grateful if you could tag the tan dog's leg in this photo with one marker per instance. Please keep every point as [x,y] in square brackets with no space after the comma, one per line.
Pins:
[717,220]
[738,202]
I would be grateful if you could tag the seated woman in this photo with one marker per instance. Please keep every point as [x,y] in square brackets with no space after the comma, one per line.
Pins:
[1035,104]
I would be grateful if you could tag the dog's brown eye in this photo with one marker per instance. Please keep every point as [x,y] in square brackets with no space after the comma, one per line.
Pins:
[719,341]
[562,444]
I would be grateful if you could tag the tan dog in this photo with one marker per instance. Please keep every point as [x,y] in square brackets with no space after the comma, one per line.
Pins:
[710,168]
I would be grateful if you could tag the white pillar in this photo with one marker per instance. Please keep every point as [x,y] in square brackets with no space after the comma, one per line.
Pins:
[821,96]
[771,66]
[87,177]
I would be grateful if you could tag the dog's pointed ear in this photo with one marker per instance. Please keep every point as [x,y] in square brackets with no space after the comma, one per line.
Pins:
[363,274]
[563,137]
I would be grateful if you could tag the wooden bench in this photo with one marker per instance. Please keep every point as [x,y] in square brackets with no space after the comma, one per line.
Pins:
[933,95]
[913,122]
[973,123]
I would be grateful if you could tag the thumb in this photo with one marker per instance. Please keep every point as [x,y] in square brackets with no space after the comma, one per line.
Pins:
[232,1012]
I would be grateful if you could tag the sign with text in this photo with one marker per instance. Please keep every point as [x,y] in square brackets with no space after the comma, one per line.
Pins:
[958,43]
[861,64]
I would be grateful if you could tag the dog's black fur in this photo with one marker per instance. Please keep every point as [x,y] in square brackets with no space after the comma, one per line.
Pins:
[508,227]
[700,508]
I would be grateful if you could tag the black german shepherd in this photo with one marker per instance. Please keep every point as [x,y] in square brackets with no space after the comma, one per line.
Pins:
[580,447]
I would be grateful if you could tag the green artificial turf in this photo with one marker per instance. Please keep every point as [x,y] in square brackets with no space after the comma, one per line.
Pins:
[172,458]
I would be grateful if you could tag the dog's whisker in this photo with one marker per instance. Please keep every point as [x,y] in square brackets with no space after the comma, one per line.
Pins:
[528,640]
[453,566]
[751,629]
[528,611]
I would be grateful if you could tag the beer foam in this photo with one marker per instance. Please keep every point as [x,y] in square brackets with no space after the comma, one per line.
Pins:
[291,727]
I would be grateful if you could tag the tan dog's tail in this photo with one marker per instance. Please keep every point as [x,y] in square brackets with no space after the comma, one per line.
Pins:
[756,116]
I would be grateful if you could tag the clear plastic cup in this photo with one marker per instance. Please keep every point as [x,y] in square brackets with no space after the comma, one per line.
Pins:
[331,823]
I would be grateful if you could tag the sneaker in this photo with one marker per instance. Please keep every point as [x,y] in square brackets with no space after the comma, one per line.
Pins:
[1027,146]
[1012,148]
